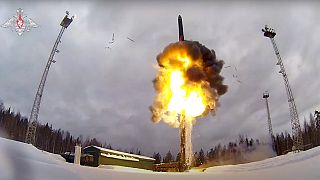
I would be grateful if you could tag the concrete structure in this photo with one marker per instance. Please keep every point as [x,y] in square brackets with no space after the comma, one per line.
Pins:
[77,154]
[103,156]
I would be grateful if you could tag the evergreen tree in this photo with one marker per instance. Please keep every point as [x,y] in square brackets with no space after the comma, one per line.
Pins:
[178,158]
[138,152]
[200,158]
[157,158]
[211,154]
[109,146]
[168,158]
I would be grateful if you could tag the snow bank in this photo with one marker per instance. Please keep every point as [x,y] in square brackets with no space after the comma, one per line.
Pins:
[303,165]
[18,150]
[124,169]
[290,159]
[20,161]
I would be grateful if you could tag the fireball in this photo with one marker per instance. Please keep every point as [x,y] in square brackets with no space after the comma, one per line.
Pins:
[188,82]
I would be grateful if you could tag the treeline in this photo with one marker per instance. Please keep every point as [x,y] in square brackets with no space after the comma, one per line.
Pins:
[246,150]
[14,126]
[283,142]
[240,151]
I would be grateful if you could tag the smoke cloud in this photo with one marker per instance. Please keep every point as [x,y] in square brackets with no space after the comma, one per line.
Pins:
[203,69]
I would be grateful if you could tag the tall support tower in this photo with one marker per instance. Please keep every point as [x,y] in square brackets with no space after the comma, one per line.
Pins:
[317,122]
[33,120]
[295,124]
[317,119]
[266,96]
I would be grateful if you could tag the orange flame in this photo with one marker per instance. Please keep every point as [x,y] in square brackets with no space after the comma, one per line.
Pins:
[176,94]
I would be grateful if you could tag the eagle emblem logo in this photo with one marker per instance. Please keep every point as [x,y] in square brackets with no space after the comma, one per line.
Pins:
[20,23]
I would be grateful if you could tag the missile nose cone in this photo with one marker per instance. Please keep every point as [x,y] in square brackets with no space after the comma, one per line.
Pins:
[179,17]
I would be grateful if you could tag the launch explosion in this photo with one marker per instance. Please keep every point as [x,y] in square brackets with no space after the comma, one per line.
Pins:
[188,85]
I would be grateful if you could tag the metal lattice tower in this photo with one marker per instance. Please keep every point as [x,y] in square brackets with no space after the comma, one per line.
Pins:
[317,123]
[266,96]
[33,120]
[295,124]
[317,119]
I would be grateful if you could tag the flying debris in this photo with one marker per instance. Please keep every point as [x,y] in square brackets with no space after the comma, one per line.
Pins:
[112,40]
[236,76]
[131,39]
[181,36]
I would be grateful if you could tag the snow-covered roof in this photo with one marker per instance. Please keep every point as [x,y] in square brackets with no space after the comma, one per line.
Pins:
[105,150]
[127,158]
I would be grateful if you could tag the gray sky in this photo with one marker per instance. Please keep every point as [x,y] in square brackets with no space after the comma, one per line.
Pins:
[106,93]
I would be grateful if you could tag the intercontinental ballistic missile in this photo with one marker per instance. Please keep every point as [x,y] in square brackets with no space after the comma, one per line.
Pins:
[181,36]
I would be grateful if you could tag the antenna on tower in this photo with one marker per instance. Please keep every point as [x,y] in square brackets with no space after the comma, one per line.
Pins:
[295,124]
[33,120]
[266,96]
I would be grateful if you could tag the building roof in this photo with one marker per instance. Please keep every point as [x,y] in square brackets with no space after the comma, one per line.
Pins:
[128,156]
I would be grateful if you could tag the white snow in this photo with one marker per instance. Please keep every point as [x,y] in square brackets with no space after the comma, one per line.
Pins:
[124,169]
[20,161]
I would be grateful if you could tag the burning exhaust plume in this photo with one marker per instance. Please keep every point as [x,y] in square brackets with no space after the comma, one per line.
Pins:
[188,83]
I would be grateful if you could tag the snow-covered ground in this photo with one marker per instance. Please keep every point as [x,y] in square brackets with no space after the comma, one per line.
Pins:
[20,161]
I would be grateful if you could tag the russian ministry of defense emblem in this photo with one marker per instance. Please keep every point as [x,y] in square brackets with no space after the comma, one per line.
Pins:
[20,23]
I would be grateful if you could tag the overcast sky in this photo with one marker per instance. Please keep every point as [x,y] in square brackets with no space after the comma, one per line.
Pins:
[105,93]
